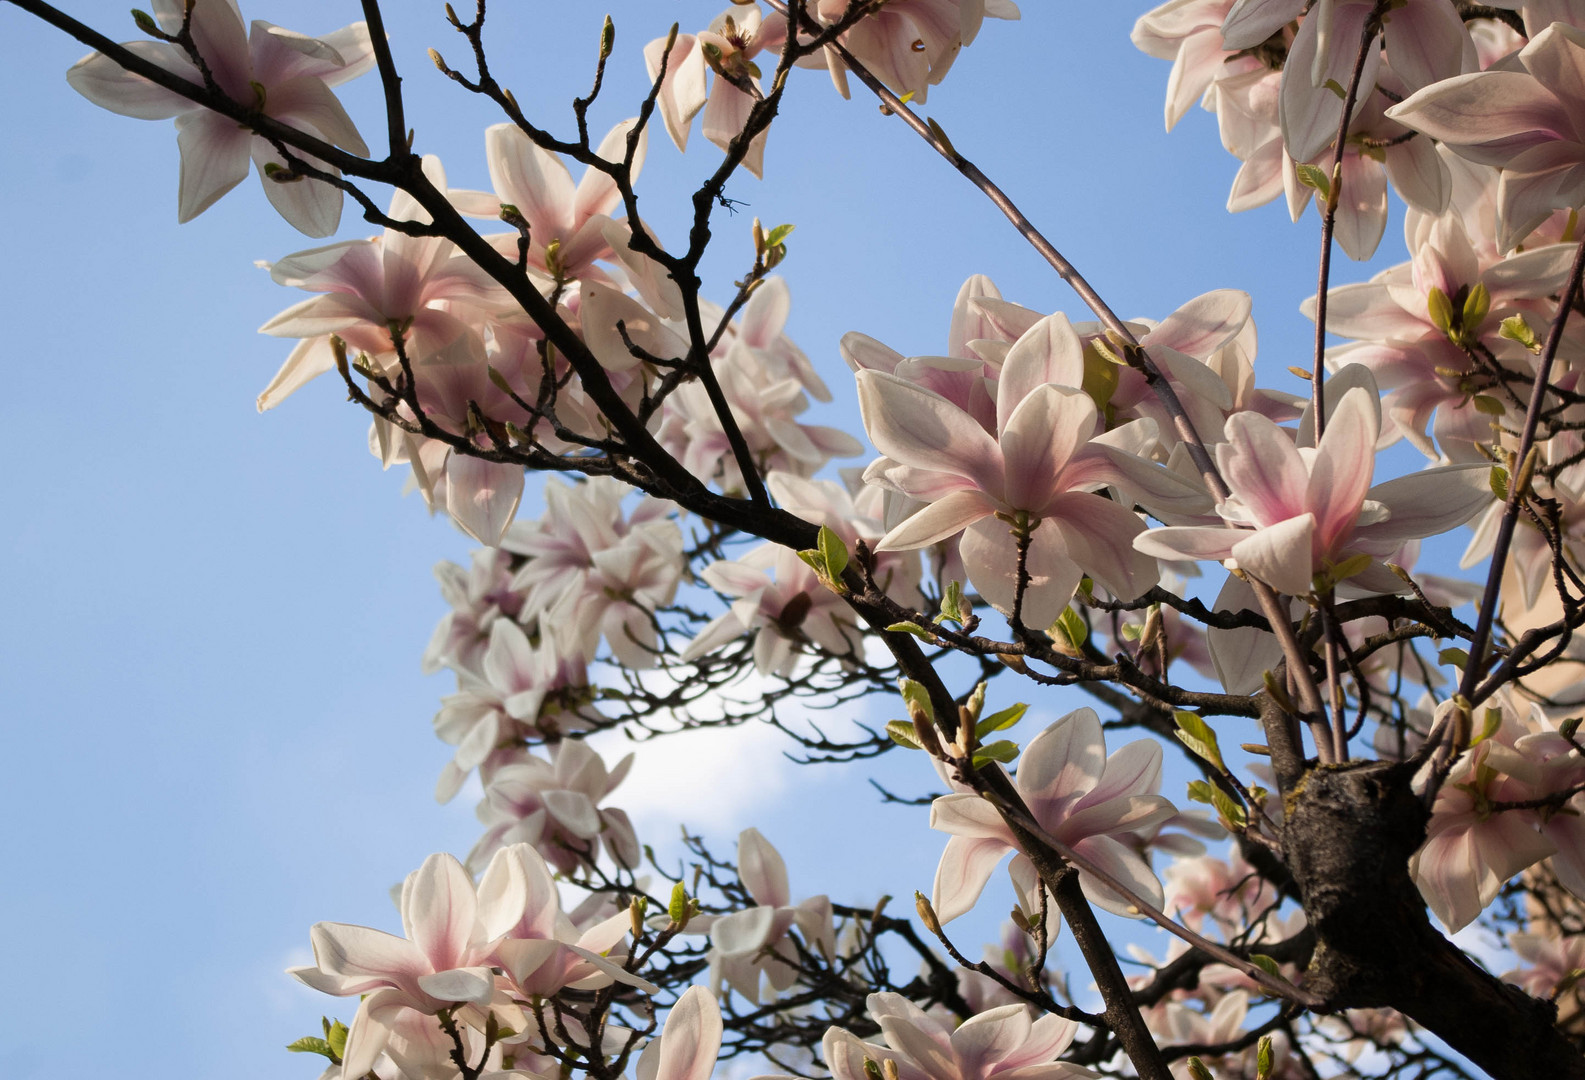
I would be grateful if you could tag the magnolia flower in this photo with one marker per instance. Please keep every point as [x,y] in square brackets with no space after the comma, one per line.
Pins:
[1093,803]
[1527,122]
[285,75]
[566,223]
[1312,510]
[1001,1042]
[750,944]
[554,806]
[1040,469]
[1189,33]
[909,44]
[734,38]
[688,1044]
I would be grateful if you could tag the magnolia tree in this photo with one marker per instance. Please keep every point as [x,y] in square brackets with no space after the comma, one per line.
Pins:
[1386,753]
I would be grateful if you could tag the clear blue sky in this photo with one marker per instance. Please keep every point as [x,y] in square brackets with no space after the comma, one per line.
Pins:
[212,725]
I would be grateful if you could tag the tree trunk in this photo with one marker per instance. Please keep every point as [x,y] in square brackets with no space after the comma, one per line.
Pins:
[1347,837]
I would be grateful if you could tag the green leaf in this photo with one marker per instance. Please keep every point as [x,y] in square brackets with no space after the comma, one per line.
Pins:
[778,235]
[1313,176]
[1349,567]
[1498,482]
[1514,328]
[1266,964]
[1200,791]
[1336,88]
[1485,403]
[1457,657]
[817,562]
[1198,1071]
[337,1037]
[1197,735]
[1000,721]
[677,908]
[1264,1059]
[911,628]
[1002,750]
[1440,308]
[313,1044]
[1489,726]
[902,733]
[1476,306]
[1069,629]
[835,552]
[917,698]
[954,608]
[1230,809]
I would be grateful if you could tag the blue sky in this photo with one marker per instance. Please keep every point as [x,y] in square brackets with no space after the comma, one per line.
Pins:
[212,723]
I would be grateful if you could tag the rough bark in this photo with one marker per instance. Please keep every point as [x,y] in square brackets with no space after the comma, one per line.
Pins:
[1348,836]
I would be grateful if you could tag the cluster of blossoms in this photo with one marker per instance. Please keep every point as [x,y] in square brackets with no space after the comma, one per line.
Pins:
[1070,476]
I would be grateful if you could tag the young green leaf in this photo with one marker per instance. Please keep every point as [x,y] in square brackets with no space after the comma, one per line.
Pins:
[902,733]
[1197,735]
[1000,720]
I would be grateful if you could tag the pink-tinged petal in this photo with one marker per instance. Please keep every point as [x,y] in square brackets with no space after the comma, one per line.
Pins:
[597,192]
[1250,22]
[743,933]
[1040,437]
[966,814]
[860,351]
[308,360]
[1556,57]
[1280,554]
[982,1042]
[603,308]
[438,909]
[309,103]
[214,160]
[1419,174]
[359,952]
[1132,814]
[1425,42]
[1362,206]
[574,812]
[915,427]
[1366,311]
[1187,542]
[508,887]
[1129,869]
[1063,763]
[968,320]
[1048,1036]
[761,870]
[110,86]
[1430,502]
[312,207]
[1243,655]
[222,40]
[692,1037]
[1263,468]
[1309,109]
[726,113]
[280,54]
[1488,115]
[1160,490]
[965,867]
[371,1030]
[532,179]
[482,496]
[913,1040]
[1204,324]
[1048,352]
[990,555]
[1193,70]
[765,314]
[474,984]
[682,94]
[1538,182]
[1134,769]
[1098,535]
[1341,471]
[1445,871]
[844,1054]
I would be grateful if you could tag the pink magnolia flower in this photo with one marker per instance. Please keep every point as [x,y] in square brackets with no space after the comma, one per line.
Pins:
[1095,804]
[688,1044]
[1042,466]
[554,806]
[572,218]
[909,44]
[1528,123]
[751,946]
[1189,33]
[1311,509]
[1549,960]
[285,75]
[1002,1042]
[735,37]
[478,594]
